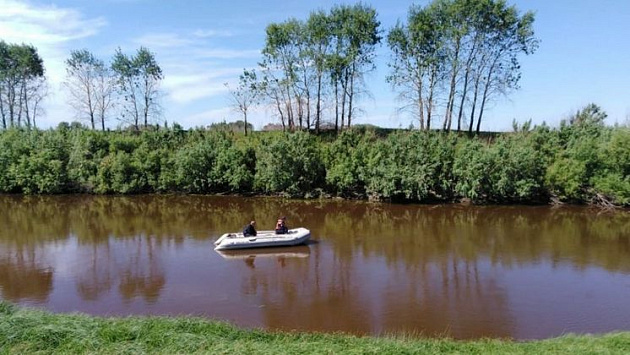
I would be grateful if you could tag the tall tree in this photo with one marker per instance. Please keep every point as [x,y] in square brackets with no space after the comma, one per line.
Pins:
[319,40]
[299,56]
[509,35]
[417,64]
[138,79]
[21,80]
[355,34]
[281,65]
[245,95]
[89,83]
[469,48]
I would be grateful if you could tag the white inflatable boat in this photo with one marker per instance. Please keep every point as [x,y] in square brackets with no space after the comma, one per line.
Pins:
[262,239]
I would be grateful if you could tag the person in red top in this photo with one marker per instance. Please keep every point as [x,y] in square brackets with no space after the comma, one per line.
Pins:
[281,226]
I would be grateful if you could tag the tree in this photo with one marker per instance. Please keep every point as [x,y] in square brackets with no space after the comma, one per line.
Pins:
[89,83]
[280,66]
[355,34]
[138,79]
[22,83]
[507,36]
[299,56]
[319,40]
[245,95]
[417,64]
[469,48]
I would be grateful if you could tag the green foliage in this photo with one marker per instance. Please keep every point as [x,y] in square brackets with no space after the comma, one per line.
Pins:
[510,170]
[40,165]
[411,166]
[471,162]
[582,161]
[469,47]
[345,161]
[120,172]
[87,150]
[613,179]
[137,79]
[21,84]
[193,166]
[291,165]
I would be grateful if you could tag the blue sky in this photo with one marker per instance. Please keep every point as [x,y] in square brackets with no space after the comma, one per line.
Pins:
[583,56]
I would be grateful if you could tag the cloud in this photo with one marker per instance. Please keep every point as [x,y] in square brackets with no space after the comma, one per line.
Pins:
[228,53]
[44,25]
[194,45]
[163,40]
[212,33]
[52,30]
[183,94]
[193,68]
[205,118]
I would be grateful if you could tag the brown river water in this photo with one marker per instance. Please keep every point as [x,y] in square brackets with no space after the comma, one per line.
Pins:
[371,269]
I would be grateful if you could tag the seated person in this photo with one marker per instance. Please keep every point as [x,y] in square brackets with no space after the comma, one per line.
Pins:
[249,229]
[281,226]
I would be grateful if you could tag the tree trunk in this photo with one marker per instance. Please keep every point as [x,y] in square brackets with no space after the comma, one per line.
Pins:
[90,104]
[432,83]
[451,95]
[21,101]
[465,90]
[11,103]
[351,95]
[318,106]
[28,117]
[474,106]
[336,107]
[344,90]
[486,90]
[420,107]
[245,119]
[2,113]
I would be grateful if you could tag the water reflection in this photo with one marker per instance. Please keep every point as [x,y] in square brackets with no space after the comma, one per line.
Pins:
[22,278]
[462,271]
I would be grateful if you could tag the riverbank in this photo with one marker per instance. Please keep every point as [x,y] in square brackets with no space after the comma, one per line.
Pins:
[24,330]
[578,163]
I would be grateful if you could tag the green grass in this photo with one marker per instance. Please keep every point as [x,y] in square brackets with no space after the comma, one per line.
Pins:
[25,330]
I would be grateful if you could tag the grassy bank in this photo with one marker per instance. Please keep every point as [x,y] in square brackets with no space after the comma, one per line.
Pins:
[26,330]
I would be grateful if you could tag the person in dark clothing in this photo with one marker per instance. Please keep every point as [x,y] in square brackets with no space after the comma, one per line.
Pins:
[281,226]
[249,229]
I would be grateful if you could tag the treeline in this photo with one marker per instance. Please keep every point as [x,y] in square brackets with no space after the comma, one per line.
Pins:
[582,161]
[449,59]
[22,84]
[127,88]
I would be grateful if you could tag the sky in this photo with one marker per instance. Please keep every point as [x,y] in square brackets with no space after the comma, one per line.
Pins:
[584,54]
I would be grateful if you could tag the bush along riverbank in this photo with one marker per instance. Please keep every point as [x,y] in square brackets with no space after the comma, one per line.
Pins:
[26,331]
[582,161]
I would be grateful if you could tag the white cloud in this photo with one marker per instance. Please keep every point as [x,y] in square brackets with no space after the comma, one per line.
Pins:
[210,116]
[194,45]
[228,53]
[190,79]
[52,30]
[193,70]
[212,33]
[163,40]
[182,94]
[44,25]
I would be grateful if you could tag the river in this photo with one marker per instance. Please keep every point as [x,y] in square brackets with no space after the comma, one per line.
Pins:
[522,272]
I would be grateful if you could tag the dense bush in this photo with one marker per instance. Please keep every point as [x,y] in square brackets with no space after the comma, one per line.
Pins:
[291,164]
[582,161]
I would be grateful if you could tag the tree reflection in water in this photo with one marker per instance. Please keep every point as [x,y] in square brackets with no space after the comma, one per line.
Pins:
[377,268]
